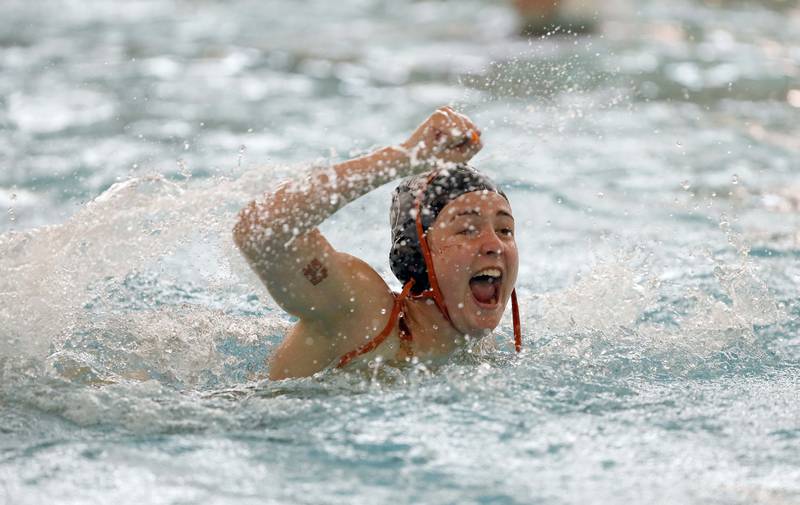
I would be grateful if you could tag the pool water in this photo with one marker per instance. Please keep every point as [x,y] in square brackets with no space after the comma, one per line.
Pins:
[653,171]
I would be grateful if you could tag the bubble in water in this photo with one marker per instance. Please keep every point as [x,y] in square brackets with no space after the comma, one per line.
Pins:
[183,169]
[724,223]
[242,149]
[12,214]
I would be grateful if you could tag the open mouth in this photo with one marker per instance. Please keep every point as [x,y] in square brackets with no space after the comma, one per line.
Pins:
[485,286]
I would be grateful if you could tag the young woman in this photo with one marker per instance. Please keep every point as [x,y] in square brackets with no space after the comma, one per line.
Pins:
[453,248]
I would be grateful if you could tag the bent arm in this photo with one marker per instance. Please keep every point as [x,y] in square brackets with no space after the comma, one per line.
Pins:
[279,238]
[297,207]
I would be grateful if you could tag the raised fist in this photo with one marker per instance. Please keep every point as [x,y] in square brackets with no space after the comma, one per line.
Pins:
[446,136]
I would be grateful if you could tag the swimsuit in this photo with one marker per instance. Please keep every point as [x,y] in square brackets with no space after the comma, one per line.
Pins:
[404,335]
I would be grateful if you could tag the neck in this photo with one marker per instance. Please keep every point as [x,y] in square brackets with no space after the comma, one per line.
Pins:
[433,334]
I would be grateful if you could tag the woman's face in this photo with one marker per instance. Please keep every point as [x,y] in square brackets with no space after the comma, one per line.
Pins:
[475,257]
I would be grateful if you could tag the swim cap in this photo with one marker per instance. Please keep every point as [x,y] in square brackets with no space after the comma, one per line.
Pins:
[436,189]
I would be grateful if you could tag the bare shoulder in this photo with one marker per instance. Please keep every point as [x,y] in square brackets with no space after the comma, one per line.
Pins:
[362,312]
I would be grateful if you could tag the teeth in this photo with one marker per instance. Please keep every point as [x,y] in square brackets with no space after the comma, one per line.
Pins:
[490,272]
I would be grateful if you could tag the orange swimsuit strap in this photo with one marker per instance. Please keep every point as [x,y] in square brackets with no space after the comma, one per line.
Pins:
[387,330]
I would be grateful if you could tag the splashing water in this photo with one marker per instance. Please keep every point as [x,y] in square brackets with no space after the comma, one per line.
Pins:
[649,167]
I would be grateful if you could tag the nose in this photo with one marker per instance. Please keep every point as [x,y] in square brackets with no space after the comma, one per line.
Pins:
[491,244]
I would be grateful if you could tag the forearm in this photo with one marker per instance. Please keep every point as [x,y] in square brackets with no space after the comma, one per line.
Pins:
[268,228]
[297,207]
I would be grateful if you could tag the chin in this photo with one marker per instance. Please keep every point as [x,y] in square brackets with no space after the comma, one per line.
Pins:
[480,318]
[485,324]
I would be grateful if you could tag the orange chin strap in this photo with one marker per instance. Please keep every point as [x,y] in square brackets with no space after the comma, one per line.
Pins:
[436,293]
[515,317]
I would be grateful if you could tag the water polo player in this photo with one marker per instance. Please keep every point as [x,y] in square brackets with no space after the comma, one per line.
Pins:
[453,248]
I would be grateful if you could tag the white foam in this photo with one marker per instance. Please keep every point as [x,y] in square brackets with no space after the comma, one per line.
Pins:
[48,271]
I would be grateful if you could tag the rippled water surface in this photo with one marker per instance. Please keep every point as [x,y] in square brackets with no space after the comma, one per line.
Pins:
[652,167]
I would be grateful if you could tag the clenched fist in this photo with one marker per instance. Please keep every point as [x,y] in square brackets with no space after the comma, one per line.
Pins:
[446,136]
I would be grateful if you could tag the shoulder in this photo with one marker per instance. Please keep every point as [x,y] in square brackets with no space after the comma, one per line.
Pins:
[363,310]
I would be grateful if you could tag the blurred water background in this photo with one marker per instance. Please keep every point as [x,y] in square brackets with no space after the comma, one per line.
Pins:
[653,170]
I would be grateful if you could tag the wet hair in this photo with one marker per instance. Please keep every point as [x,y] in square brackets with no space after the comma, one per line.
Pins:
[437,189]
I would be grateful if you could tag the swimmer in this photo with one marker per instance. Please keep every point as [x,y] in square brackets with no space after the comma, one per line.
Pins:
[453,248]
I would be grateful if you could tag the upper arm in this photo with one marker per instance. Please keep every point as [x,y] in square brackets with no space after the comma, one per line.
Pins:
[309,279]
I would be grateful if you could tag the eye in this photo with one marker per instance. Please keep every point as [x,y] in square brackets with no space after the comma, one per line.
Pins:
[507,232]
[469,230]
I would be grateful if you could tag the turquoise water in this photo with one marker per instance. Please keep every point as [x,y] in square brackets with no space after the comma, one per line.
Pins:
[653,171]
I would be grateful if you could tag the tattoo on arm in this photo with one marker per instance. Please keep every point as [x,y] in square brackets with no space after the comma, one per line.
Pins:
[315,272]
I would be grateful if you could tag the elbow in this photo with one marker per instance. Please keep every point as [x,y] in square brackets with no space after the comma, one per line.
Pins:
[240,231]
[245,227]
[251,232]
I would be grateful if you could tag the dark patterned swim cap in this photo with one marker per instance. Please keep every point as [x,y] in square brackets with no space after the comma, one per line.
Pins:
[446,185]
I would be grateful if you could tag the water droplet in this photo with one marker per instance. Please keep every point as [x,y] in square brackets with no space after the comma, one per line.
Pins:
[685,185]
[600,194]
[242,149]
[735,179]
[183,169]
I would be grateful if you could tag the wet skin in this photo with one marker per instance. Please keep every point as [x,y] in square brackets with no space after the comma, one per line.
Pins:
[341,302]
[473,232]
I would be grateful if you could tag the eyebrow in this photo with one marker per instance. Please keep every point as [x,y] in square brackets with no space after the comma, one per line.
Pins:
[470,212]
[475,212]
